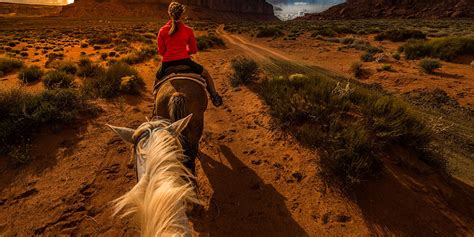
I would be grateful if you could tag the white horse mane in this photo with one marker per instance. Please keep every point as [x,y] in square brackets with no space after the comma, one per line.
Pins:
[160,198]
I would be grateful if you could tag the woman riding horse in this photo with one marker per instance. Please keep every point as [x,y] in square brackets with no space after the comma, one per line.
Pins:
[176,42]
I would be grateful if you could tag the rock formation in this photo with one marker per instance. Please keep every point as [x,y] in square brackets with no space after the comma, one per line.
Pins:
[202,9]
[26,10]
[354,9]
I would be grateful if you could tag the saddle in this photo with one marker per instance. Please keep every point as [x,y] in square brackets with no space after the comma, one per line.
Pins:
[181,72]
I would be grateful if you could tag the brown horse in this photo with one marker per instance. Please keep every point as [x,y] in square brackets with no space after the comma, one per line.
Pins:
[164,151]
[175,99]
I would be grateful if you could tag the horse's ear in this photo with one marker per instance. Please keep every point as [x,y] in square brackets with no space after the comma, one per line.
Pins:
[181,124]
[125,133]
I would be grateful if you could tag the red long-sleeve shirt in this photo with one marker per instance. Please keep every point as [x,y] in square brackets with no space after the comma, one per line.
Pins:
[178,46]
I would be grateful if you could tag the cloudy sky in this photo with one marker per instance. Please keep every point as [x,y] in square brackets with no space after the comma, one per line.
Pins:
[295,6]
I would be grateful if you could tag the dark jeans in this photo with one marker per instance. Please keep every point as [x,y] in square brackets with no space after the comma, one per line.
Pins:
[195,67]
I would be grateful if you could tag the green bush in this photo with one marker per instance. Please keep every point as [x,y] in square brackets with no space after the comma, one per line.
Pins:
[65,66]
[267,32]
[367,57]
[386,67]
[352,123]
[325,31]
[30,74]
[209,41]
[396,56]
[400,35]
[443,48]
[8,65]
[58,79]
[119,77]
[89,69]
[136,57]
[245,70]
[23,113]
[429,65]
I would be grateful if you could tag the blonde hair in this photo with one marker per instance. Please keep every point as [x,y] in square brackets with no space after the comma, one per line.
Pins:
[175,10]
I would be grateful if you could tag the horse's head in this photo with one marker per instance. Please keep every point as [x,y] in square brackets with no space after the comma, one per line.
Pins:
[164,185]
[148,135]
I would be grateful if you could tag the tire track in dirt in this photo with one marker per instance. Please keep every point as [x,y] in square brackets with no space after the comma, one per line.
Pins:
[444,209]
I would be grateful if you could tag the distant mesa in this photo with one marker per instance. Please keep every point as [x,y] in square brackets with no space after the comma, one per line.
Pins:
[27,10]
[357,9]
[199,9]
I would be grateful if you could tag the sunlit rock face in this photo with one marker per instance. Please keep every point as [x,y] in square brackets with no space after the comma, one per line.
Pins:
[197,9]
[353,9]
[38,2]
[236,6]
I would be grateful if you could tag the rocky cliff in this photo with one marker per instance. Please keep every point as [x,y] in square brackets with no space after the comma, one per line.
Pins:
[201,9]
[353,9]
[26,10]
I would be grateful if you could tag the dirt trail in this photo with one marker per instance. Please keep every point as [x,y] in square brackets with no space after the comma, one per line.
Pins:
[254,180]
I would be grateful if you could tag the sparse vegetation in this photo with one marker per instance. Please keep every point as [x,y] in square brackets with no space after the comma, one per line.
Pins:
[8,65]
[428,65]
[88,69]
[136,57]
[65,66]
[23,113]
[209,41]
[245,70]
[355,124]
[269,32]
[58,79]
[118,78]
[30,74]
[356,69]
[400,35]
[443,48]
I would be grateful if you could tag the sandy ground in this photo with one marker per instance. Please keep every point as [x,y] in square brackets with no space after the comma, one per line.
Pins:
[254,180]
[455,78]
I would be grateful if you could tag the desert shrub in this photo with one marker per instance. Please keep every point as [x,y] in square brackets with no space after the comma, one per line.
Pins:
[320,113]
[356,69]
[30,74]
[24,54]
[367,57]
[267,32]
[119,77]
[396,56]
[8,65]
[428,65]
[245,70]
[104,56]
[65,66]
[324,31]
[208,41]
[87,68]
[100,40]
[136,57]
[443,48]
[400,35]
[84,45]
[23,113]
[58,79]
[386,67]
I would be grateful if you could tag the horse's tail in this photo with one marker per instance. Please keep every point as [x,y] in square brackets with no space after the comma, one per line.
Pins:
[177,106]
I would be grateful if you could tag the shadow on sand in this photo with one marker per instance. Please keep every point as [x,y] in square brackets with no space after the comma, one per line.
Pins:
[405,202]
[242,204]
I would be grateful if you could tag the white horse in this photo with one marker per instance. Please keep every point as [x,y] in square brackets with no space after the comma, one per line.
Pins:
[160,199]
